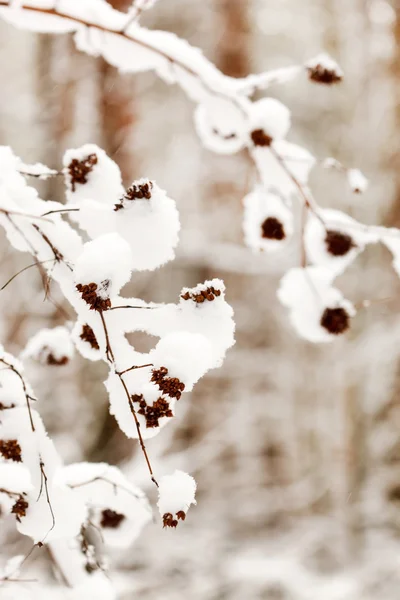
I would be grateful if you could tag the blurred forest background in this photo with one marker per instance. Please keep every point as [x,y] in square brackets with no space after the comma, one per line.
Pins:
[295,447]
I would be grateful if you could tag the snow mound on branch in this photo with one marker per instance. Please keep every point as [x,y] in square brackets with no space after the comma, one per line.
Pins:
[268,220]
[318,312]
[50,346]
[176,493]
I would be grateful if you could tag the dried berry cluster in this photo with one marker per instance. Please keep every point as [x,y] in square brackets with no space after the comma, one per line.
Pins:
[208,294]
[137,191]
[19,508]
[79,169]
[272,229]
[335,320]
[338,243]
[111,519]
[11,450]
[160,408]
[90,296]
[52,360]
[170,386]
[88,336]
[321,74]
[169,521]
[260,138]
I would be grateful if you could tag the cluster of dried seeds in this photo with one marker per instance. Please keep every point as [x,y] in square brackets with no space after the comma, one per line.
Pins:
[335,320]
[159,409]
[272,229]
[79,169]
[90,296]
[52,360]
[170,521]
[137,191]
[260,138]
[10,449]
[88,336]
[170,386]
[111,519]
[199,297]
[337,243]
[321,74]
[19,508]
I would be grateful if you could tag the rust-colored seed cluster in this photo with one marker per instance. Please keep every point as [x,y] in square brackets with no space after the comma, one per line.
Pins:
[272,229]
[111,519]
[141,191]
[321,74]
[19,508]
[170,386]
[52,360]
[199,297]
[337,243]
[160,408]
[11,450]
[260,138]
[335,320]
[170,521]
[90,296]
[80,169]
[88,336]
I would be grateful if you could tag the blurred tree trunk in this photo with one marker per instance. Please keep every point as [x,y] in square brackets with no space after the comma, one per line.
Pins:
[117,111]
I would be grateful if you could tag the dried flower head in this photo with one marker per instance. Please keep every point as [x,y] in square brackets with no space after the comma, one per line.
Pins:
[90,296]
[88,336]
[273,229]
[337,243]
[10,449]
[171,386]
[154,412]
[79,169]
[111,519]
[19,508]
[260,138]
[335,320]
[323,69]
[169,521]
[54,361]
[139,190]
[209,293]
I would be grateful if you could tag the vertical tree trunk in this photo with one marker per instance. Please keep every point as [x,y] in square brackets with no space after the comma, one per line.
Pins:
[117,111]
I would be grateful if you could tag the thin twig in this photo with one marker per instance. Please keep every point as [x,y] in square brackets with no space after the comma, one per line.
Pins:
[111,360]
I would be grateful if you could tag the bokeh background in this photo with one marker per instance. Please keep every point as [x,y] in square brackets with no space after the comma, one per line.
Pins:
[295,447]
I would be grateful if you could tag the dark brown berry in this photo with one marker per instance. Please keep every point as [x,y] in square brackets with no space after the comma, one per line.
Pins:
[337,243]
[272,229]
[111,519]
[79,169]
[335,320]
[260,138]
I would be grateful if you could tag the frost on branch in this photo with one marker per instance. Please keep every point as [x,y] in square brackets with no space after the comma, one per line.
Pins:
[176,493]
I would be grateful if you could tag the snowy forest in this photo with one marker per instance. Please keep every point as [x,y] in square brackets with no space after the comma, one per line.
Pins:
[199,285]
